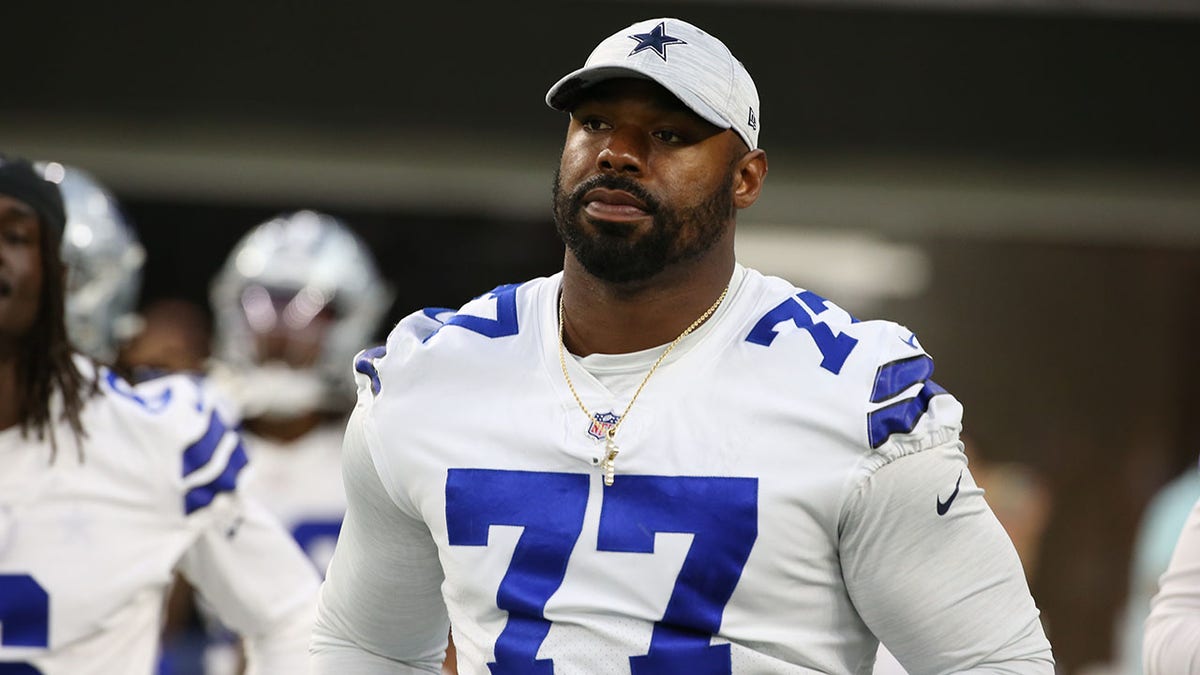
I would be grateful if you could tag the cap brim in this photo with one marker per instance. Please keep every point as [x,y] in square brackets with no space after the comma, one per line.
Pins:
[566,92]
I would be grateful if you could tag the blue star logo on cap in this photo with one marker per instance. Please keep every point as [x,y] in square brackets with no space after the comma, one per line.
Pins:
[657,39]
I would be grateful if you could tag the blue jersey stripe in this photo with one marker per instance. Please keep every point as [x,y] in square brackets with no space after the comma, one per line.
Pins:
[436,312]
[200,453]
[897,376]
[504,325]
[201,496]
[365,365]
[901,417]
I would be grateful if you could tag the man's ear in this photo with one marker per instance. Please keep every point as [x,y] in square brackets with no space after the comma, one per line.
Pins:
[748,177]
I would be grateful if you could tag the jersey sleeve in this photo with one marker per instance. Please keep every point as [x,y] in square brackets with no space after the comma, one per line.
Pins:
[934,575]
[1172,638]
[927,564]
[259,583]
[380,609]
[240,559]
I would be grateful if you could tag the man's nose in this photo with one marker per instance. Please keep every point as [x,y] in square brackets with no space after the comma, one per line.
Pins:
[625,151]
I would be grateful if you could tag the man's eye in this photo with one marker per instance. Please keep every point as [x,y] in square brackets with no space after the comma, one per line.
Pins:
[16,236]
[668,136]
[593,124]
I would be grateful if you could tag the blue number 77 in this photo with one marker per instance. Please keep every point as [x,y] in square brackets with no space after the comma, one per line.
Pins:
[721,513]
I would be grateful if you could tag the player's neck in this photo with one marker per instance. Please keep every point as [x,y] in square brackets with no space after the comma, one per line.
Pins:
[603,318]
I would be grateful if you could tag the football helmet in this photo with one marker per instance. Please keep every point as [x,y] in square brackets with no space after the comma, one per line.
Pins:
[104,260]
[296,299]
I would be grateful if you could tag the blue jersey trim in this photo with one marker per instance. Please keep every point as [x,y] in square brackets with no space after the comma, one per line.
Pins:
[893,378]
[365,365]
[199,454]
[199,497]
[901,417]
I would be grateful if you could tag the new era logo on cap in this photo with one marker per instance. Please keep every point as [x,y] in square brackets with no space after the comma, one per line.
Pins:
[688,62]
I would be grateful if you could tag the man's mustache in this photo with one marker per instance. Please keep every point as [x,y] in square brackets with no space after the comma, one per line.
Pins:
[611,182]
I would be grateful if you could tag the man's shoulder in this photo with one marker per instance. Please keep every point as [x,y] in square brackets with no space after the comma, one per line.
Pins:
[175,423]
[498,324]
[173,403]
[502,312]
[798,321]
[875,371]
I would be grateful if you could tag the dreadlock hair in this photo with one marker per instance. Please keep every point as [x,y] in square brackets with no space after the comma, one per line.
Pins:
[47,366]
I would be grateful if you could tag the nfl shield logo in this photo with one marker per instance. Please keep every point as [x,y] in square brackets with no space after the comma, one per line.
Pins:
[601,423]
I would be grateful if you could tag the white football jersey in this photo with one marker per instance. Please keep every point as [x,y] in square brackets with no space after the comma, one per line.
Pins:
[789,490]
[89,541]
[300,482]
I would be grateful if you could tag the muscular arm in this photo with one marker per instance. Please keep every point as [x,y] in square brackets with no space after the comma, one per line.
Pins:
[945,593]
[1172,640]
[380,609]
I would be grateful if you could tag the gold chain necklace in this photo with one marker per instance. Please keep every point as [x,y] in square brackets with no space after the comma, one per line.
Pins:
[609,463]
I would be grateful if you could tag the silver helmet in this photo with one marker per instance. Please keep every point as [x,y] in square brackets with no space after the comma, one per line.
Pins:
[104,260]
[305,275]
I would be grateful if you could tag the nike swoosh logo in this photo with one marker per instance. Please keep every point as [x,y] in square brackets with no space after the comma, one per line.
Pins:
[943,507]
[911,341]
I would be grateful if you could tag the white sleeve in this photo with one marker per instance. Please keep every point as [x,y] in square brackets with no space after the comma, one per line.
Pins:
[1172,641]
[380,610]
[258,580]
[933,574]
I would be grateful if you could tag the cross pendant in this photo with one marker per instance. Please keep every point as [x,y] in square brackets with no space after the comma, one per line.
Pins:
[609,464]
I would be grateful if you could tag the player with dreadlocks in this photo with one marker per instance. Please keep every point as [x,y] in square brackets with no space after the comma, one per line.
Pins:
[88,547]
[35,356]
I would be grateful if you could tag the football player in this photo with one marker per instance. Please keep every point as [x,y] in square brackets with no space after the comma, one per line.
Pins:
[106,489]
[104,260]
[1172,634]
[297,297]
[658,460]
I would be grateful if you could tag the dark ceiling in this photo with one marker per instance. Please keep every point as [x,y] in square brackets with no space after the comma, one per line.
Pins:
[994,85]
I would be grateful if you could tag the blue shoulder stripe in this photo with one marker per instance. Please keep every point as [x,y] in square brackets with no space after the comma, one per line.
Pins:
[201,496]
[901,417]
[897,376]
[200,453]
[365,365]
[891,380]
[504,325]
[436,313]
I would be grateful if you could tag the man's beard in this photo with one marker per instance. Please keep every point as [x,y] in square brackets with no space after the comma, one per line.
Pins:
[613,255]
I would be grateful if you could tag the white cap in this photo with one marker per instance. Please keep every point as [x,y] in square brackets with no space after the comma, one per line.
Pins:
[691,64]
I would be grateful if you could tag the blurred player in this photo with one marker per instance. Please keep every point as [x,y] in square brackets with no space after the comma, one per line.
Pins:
[104,260]
[659,461]
[1172,632]
[1157,533]
[174,336]
[297,297]
[106,488]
